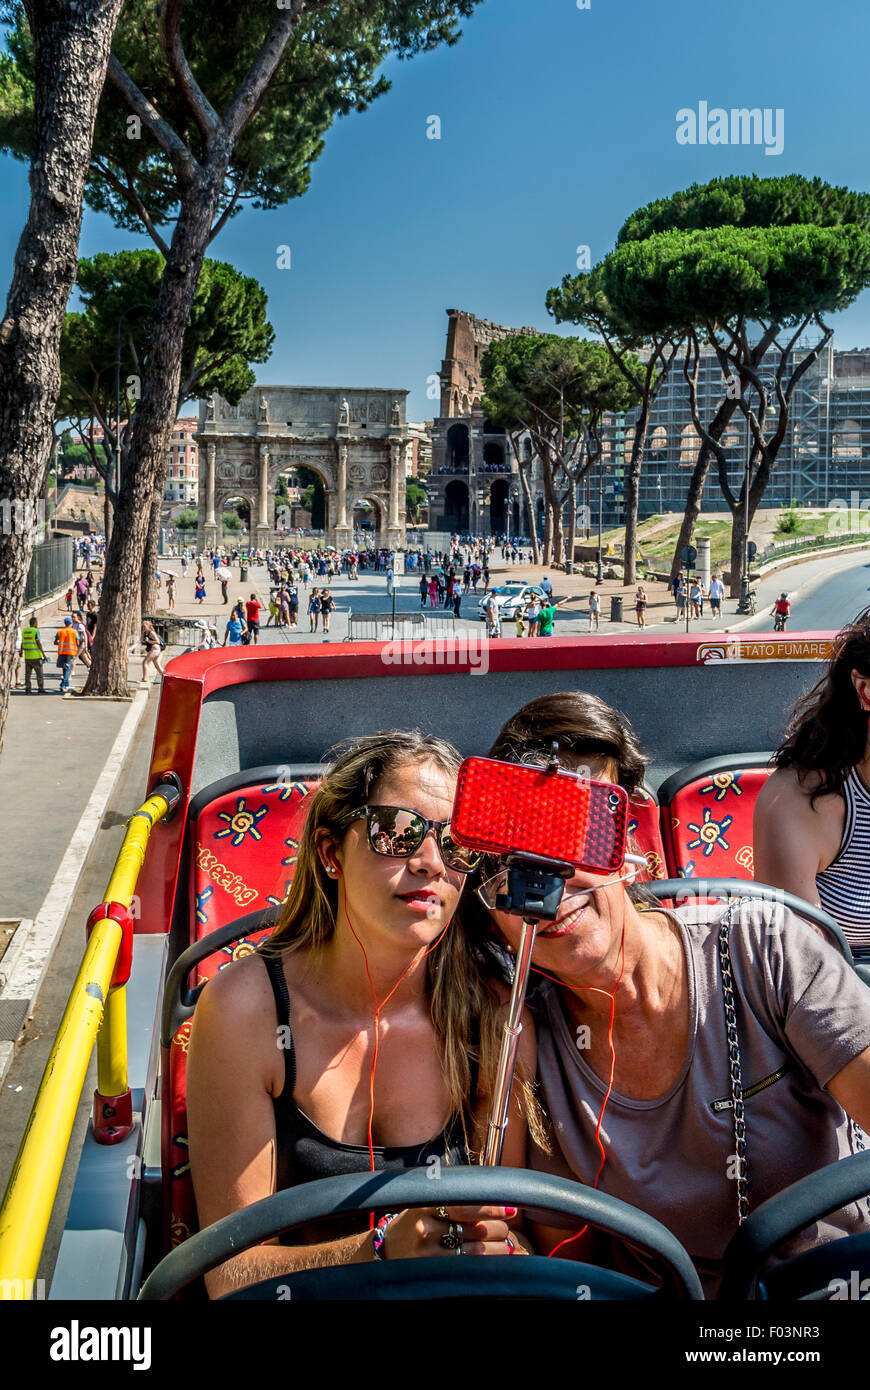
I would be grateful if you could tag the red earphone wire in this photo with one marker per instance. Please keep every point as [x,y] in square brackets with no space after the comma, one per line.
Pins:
[612,997]
[379,1005]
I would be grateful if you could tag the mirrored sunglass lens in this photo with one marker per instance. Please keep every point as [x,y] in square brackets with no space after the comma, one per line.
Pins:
[457,856]
[393,831]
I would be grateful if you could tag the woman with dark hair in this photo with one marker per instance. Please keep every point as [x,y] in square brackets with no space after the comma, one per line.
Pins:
[639,1042]
[812,817]
[387,1028]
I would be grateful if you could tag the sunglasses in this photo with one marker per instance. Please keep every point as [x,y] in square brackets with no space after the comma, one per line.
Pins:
[398,833]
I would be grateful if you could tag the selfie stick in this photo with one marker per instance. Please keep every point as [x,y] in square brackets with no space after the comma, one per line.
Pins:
[535,887]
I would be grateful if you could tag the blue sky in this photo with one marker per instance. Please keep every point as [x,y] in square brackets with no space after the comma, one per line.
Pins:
[556,123]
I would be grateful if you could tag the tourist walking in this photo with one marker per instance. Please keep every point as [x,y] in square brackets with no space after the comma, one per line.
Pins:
[200,588]
[67,645]
[424,590]
[717,591]
[594,611]
[314,609]
[640,602]
[252,616]
[327,608]
[533,613]
[153,647]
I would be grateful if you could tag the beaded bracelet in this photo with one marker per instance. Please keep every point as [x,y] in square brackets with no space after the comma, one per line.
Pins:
[379,1234]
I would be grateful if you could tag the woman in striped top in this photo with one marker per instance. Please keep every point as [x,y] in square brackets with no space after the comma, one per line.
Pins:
[812,818]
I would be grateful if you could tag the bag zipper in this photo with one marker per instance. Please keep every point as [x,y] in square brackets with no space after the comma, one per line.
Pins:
[719,1105]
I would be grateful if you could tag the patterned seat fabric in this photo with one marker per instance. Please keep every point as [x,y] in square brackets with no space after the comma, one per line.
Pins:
[243,855]
[645,836]
[707,819]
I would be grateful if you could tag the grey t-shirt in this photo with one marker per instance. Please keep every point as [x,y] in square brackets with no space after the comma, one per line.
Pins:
[802,1014]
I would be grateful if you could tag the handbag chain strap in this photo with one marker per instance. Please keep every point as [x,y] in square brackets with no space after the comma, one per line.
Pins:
[734,1068]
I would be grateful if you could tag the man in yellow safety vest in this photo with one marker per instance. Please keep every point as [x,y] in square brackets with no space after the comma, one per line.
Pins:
[67,645]
[34,655]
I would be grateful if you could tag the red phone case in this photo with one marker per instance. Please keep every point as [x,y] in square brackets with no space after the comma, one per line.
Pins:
[509,808]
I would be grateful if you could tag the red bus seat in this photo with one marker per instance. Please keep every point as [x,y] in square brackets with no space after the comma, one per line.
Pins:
[243,847]
[706,816]
[645,835]
[243,838]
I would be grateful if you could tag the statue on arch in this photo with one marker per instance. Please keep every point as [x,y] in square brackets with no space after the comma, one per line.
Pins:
[395,415]
[344,412]
[264,409]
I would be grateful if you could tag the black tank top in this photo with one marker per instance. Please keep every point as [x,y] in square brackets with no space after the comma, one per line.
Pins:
[304,1153]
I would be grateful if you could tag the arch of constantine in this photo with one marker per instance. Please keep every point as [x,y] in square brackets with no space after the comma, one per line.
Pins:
[355,439]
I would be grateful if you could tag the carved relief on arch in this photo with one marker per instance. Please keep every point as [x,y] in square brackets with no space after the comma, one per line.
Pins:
[248,470]
[380,473]
[357,473]
[226,470]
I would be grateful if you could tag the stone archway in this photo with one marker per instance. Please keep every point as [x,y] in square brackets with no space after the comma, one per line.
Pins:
[224,502]
[369,509]
[356,441]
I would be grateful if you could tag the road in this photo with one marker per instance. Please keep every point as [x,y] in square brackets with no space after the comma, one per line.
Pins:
[826,593]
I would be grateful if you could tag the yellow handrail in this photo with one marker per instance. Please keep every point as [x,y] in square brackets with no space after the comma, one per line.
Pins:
[32,1187]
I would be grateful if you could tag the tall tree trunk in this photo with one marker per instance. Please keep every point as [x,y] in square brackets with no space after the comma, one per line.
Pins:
[153,422]
[699,478]
[530,509]
[632,495]
[738,535]
[546,549]
[558,534]
[71,51]
[152,551]
[572,524]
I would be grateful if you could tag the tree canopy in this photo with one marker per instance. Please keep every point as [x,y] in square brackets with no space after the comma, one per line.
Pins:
[558,390]
[189,62]
[227,331]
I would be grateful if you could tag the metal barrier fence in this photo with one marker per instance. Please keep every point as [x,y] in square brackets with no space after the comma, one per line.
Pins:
[50,567]
[777,549]
[383,627]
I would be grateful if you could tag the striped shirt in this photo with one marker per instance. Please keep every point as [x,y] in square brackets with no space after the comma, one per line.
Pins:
[844,887]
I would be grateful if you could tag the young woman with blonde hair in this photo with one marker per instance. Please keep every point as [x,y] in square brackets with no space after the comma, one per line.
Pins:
[388,1025]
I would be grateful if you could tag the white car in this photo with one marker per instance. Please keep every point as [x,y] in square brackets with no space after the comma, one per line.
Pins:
[512,597]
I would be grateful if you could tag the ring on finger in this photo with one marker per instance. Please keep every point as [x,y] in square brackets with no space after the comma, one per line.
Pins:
[442,1213]
[452,1238]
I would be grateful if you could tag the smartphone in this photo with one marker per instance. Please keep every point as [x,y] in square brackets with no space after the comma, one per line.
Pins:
[511,808]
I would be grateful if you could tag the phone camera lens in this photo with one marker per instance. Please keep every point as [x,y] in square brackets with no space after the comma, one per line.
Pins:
[613,801]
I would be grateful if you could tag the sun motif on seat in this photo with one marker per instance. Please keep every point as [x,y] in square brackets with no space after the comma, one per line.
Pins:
[293,846]
[286,789]
[746,859]
[721,784]
[279,902]
[201,900]
[688,869]
[240,823]
[236,950]
[654,864]
[710,833]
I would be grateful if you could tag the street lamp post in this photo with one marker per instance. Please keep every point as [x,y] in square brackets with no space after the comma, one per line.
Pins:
[659,486]
[600,575]
[743,605]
